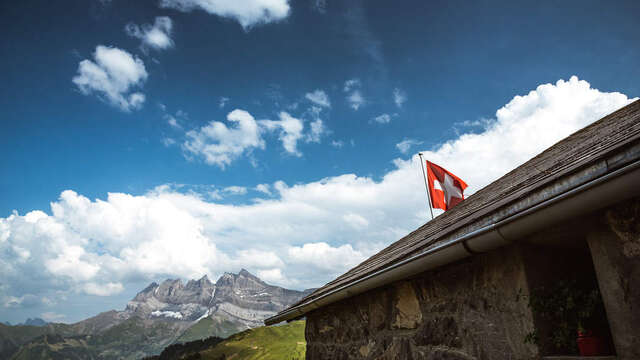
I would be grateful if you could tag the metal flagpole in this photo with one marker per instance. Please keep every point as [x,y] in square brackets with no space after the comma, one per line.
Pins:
[424,175]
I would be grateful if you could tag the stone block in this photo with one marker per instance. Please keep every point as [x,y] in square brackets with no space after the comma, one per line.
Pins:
[407,313]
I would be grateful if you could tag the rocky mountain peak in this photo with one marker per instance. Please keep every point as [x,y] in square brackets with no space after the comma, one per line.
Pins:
[240,298]
[244,272]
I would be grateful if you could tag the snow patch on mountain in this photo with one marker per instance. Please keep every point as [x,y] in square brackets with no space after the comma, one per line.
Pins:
[169,314]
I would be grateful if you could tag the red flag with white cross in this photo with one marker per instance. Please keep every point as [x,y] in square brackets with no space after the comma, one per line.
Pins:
[445,188]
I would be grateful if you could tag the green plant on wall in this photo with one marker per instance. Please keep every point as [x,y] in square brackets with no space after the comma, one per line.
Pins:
[568,308]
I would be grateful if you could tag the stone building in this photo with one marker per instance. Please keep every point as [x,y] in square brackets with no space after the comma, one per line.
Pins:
[460,286]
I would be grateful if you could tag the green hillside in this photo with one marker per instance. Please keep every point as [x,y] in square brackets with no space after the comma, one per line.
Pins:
[129,340]
[56,347]
[284,342]
[208,327]
[12,337]
[267,343]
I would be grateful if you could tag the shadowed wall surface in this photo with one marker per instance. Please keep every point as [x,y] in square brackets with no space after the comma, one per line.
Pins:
[470,309]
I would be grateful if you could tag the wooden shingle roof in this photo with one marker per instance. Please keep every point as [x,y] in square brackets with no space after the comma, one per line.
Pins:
[578,150]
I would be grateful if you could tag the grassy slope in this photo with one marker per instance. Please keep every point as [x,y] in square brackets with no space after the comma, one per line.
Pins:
[208,327]
[130,340]
[12,337]
[56,347]
[284,342]
[133,339]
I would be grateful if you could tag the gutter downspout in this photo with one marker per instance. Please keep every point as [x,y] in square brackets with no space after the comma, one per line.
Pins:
[604,190]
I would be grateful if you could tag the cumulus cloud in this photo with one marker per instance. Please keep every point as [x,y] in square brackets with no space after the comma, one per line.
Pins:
[405,145]
[235,190]
[272,276]
[172,121]
[107,289]
[247,13]
[382,119]
[112,75]
[302,235]
[156,36]
[264,188]
[523,128]
[317,129]
[220,145]
[325,256]
[337,143]
[319,97]
[354,98]
[167,142]
[52,316]
[399,97]
[290,129]
[351,84]
[25,300]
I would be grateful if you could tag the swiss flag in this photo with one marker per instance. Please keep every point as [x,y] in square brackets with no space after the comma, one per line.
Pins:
[451,188]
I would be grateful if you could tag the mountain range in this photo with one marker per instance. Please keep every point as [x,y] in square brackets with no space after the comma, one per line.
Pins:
[158,316]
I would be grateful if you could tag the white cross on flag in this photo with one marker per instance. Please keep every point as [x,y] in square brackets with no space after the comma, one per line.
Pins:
[451,187]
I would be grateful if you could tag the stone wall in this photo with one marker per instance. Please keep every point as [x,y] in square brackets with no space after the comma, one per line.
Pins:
[472,309]
[615,248]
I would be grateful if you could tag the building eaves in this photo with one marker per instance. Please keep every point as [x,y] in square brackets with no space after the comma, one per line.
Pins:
[602,147]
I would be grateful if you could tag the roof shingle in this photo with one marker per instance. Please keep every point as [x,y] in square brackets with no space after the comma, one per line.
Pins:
[584,147]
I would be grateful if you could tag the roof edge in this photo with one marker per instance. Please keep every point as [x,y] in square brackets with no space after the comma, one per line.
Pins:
[598,174]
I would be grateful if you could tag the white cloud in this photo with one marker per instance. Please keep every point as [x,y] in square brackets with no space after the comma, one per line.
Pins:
[248,13]
[168,141]
[273,276]
[337,143]
[72,261]
[354,96]
[52,316]
[107,289]
[382,119]
[316,127]
[264,188]
[302,235]
[172,121]
[222,102]
[319,97]
[235,190]
[290,131]
[405,145]
[26,300]
[317,130]
[257,258]
[324,256]
[523,128]
[399,97]
[156,36]
[112,75]
[356,100]
[220,145]
[351,84]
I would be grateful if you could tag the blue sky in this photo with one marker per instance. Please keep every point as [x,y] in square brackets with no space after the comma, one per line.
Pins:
[333,100]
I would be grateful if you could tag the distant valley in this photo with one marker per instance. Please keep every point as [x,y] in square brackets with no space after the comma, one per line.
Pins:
[158,316]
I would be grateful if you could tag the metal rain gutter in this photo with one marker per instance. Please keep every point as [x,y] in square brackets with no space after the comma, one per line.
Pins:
[604,190]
